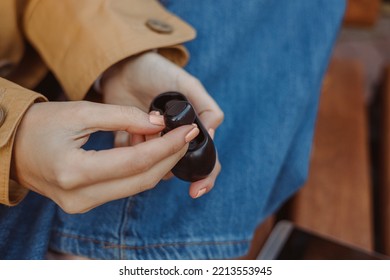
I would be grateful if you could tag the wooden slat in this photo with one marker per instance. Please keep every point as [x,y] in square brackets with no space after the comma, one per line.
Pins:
[362,12]
[384,168]
[336,200]
[260,237]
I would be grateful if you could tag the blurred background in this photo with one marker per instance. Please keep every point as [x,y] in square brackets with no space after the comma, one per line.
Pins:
[347,196]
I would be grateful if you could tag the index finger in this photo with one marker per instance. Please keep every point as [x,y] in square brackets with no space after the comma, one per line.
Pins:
[209,112]
[107,117]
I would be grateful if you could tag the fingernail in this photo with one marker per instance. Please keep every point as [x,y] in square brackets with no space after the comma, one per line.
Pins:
[192,134]
[211,133]
[155,113]
[201,192]
[156,120]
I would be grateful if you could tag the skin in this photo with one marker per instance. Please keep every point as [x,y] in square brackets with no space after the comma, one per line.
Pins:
[47,153]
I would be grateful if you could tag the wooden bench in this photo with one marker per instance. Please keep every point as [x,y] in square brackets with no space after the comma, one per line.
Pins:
[383,174]
[336,201]
[362,12]
[337,198]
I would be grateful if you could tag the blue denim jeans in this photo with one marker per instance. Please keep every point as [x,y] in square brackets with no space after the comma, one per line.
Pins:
[263,62]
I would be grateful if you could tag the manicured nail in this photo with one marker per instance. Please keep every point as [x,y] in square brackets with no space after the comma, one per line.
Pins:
[156,120]
[157,113]
[211,133]
[201,192]
[192,134]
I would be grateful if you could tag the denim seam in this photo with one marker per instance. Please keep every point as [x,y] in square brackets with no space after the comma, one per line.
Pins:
[72,236]
[109,245]
[128,206]
[179,244]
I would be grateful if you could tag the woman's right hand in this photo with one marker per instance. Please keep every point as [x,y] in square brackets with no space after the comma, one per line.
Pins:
[48,158]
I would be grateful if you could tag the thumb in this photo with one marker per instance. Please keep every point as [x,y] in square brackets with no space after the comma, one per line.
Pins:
[116,117]
[209,112]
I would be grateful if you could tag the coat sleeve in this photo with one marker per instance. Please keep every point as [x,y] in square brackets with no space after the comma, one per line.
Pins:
[14,102]
[79,40]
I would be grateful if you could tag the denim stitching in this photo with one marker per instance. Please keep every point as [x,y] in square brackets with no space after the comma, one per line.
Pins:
[178,244]
[82,238]
[126,213]
[109,245]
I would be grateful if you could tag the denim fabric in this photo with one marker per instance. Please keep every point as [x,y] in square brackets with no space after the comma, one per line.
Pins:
[25,229]
[263,62]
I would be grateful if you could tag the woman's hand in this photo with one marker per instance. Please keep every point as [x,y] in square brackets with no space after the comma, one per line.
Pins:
[137,80]
[48,159]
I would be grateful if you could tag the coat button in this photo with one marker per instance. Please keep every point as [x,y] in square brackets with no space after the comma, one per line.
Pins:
[159,26]
[2,116]
[5,68]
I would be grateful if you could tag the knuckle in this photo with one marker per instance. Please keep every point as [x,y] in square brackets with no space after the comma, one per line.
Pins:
[143,164]
[140,160]
[148,183]
[66,179]
[70,206]
[132,115]
[82,109]
[219,167]
[183,151]
[219,117]
[172,146]
[145,186]
[195,82]
[129,111]
[151,184]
